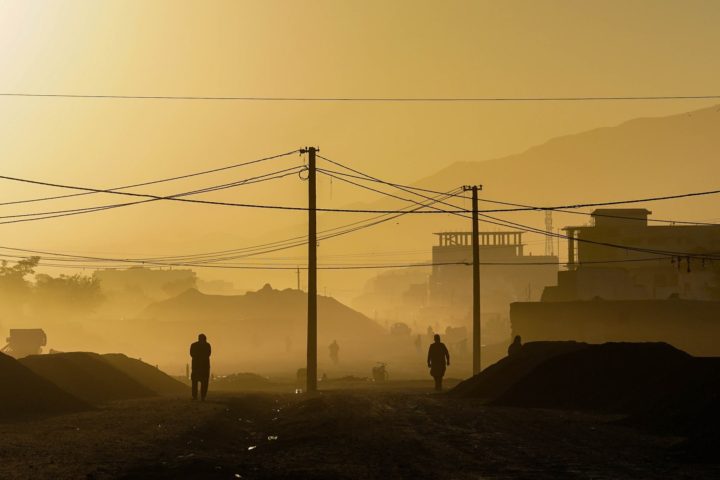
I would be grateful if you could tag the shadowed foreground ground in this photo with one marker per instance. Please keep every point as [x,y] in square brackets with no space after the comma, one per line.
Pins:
[338,434]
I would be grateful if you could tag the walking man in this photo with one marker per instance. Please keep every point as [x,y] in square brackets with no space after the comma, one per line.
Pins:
[200,353]
[438,359]
[334,352]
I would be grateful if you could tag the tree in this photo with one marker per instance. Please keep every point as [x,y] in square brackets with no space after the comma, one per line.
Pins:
[74,292]
[13,286]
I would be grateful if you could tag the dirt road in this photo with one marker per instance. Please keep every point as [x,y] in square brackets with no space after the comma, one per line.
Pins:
[334,435]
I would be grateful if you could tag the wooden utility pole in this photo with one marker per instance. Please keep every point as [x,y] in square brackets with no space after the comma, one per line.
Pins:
[476,278]
[312,273]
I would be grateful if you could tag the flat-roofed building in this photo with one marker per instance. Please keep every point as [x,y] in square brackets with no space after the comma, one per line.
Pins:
[621,257]
[506,275]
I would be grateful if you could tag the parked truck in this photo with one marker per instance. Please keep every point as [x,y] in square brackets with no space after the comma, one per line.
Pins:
[25,341]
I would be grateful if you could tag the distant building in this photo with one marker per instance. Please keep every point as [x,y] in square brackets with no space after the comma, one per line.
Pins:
[442,296]
[395,295]
[650,291]
[506,275]
[656,264]
[153,283]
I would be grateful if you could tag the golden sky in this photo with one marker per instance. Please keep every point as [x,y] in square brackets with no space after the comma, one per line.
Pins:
[310,48]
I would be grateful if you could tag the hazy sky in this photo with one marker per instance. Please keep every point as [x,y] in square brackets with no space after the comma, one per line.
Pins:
[310,48]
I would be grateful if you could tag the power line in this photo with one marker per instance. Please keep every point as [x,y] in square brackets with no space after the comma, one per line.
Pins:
[345,210]
[247,181]
[206,202]
[324,234]
[502,222]
[331,233]
[351,266]
[662,253]
[366,99]
[522,207]
[285,244]
[276,246]
[299,240]
[20,218]
[162,180]
[592,214]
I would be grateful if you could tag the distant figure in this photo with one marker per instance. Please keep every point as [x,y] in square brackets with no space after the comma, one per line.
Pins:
[334,352]
[301,377]
[380,373]
[288,344]
[515,346]
[430,332]
[438,359]
[200,353]
[418,344]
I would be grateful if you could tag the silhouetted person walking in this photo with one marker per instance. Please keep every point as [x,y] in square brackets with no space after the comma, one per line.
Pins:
[438,359]
[200,353]
[334,352]
[515,346]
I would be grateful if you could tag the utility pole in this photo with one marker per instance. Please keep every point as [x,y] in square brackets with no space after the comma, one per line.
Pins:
[476,277]
[549,231]
[298,278]
[311,385]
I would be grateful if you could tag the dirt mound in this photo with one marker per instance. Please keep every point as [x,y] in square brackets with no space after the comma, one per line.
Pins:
[691,410]
[24,392]
[612,377]
[87,376]
[499,377]
[146,375]
[663,389]
[240,382]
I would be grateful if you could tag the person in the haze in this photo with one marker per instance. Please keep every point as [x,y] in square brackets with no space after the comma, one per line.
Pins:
[334,352]
[200,353]
[515,346]
[438,359]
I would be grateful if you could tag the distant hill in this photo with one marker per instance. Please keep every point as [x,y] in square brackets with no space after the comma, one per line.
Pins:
[254,329]
[266,310]
[639,158]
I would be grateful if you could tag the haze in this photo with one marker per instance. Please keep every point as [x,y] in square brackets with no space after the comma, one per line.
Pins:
[270,48]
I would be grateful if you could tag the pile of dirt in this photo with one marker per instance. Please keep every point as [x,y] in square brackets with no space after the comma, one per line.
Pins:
[499,377]
[347,379]
[240,382]
[24,392]
[661,388]
[693,410]
[612,377]
[148,376]
[87,376]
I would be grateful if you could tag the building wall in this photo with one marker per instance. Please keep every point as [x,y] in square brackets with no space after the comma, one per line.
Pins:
[603,269]
[450,286]
[692,326]
[684,238]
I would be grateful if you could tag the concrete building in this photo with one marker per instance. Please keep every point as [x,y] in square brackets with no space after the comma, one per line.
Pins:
[656,264]
[506,275]
[656,289]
